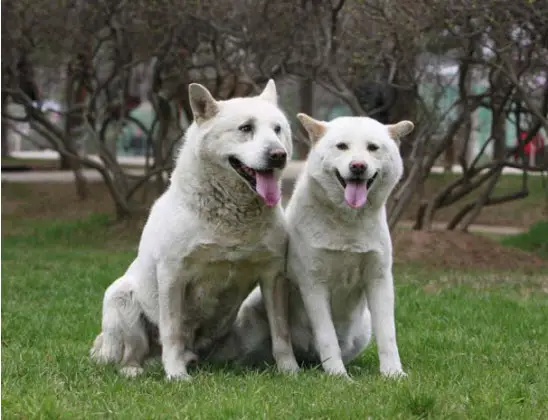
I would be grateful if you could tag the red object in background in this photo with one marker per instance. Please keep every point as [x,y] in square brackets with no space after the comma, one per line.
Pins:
[132,102]
[536,143]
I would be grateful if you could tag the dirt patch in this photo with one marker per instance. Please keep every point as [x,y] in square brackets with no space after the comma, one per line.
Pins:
[59,201]
[460,250]
[519,213]
[56,201]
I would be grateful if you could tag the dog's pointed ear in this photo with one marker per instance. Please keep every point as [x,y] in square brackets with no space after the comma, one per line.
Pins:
[399,130]
[315,129]
[203,105]
[269,92]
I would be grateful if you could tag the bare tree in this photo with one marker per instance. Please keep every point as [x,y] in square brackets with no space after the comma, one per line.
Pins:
[113,49]
[505,45]
[376,56]
[367,54]
[359,51]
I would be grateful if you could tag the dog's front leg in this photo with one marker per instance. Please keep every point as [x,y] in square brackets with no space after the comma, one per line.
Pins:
[316,301]
[380,298]
[275,293]
[171,322]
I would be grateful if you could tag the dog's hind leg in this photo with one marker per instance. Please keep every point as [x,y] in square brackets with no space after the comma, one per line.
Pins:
[136,349]
[358,338]
[123,338]
[248,342]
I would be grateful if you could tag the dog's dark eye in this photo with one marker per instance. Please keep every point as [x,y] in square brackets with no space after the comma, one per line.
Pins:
[342,146]
[277,129]
[372,147]
[246,128]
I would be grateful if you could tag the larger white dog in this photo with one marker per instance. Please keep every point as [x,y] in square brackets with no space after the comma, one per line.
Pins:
[215,233]
[340,251]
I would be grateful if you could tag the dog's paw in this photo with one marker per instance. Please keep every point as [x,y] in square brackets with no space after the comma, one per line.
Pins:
[98,357]
[340,374]
[349,379]
[182,377]
[393,373]
[335,368]
[131,371]
[94,355]
[95,351]
[106,350]
[288,365]
[176,372]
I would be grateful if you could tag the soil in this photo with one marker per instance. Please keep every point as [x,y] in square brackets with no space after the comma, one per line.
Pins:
[53,201]
[452,249]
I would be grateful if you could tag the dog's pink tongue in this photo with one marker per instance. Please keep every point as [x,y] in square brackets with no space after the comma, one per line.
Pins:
[355,194]
[268,188]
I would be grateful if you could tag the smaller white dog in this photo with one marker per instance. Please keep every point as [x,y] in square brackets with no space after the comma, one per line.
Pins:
[340,251]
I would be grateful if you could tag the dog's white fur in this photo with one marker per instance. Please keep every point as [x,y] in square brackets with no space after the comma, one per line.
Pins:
[208,241]
[339,258]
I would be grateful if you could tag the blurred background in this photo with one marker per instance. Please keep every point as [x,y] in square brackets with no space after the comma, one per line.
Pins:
[94,94]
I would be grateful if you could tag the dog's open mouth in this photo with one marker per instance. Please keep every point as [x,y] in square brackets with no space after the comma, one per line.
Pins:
[356,189]
[356,180]
[263,182]
[244,171]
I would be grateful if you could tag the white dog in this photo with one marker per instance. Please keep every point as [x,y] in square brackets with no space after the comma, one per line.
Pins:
[214,234]
[340,251]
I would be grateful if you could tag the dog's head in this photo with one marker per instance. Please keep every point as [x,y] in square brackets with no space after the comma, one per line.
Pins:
[355,159]
[249,137]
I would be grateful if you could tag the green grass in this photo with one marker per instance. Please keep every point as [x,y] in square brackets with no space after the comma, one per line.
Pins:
[534,240]
[475,345]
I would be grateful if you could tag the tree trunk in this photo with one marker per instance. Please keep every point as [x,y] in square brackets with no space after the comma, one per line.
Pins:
[449,156]
[307,107]
[80,181]
[499,135]
[64,163]
[405,108]
[74,95]
[159,136]
[5,129]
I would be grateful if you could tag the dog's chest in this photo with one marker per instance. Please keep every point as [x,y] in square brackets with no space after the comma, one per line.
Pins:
[217,280]
[346,278]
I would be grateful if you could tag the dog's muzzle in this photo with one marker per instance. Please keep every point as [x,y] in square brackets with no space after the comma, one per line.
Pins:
[276,158]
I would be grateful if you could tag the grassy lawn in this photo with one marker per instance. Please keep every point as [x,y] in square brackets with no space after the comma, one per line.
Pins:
[534,240]
[474,343]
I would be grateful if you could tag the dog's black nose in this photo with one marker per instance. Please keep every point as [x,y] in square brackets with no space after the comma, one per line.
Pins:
[357,167]
[277,158]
